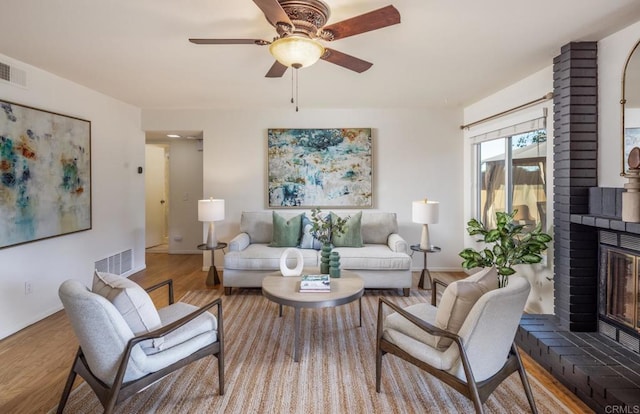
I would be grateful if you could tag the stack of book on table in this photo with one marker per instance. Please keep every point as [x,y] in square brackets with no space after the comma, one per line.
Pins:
[315,283]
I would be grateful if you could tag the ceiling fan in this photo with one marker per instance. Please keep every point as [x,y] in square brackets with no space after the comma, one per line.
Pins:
[300,24]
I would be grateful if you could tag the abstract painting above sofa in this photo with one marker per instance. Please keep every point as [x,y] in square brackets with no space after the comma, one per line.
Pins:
[320,168]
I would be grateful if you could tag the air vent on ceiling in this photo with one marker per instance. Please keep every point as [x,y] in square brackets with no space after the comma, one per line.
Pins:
[13,75]
[119,263]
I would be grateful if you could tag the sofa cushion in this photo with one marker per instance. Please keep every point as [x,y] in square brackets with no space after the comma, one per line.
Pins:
[458,299]
[258,225]
[351,237]
[262,257]
[307,241]
[377,226]
[372,257]
[286,233]
[133,303]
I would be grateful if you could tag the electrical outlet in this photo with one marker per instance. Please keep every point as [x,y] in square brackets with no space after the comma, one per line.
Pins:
[27,288]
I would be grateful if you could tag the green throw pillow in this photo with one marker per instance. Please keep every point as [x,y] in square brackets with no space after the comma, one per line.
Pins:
[286,233]
[352,237]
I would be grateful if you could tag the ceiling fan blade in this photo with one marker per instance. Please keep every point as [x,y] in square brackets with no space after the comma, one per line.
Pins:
[259,42]
[346,61]
[376,19]
[277,70]
[273,11]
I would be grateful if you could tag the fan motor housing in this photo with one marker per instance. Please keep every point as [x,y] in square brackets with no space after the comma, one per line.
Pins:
[307,16]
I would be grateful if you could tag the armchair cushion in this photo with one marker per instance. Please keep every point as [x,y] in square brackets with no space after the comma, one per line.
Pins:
[352,236]
[205,323]
[397,326]
[286,233]
[133,303]
[458,299]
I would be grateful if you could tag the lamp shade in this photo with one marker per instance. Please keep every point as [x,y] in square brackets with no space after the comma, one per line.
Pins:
[210,210]
[296,51]
[425,212]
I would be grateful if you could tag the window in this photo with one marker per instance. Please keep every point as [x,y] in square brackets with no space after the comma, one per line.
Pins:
[511,173]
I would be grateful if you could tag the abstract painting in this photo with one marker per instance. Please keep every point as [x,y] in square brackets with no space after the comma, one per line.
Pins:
[320,168]
[45,174]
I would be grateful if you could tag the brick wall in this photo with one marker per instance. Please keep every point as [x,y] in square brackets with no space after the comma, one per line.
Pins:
[575,163]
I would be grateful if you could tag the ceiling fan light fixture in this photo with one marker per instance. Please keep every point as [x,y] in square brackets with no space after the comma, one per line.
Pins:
[296,51]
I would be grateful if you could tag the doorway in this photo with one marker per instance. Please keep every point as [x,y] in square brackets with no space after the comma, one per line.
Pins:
[156,196]
[173,186]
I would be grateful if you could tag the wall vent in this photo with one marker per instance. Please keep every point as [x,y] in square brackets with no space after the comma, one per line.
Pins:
[119,263]
[13,75]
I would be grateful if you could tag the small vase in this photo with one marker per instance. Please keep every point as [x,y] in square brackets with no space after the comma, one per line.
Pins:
[334,264]
[324,258]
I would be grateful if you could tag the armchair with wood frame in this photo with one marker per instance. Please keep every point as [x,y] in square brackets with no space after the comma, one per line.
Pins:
[116,362]
[475,359]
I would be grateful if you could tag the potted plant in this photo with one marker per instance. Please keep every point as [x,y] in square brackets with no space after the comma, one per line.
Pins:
[321,229]
[505,246]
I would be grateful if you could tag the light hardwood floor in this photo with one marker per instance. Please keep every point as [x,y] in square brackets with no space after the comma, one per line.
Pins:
[34,362]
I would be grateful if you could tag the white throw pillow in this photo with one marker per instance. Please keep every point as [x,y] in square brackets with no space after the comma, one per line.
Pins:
[458,299]
[133,303]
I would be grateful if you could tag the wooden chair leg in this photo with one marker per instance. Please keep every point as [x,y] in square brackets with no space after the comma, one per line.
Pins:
[221,371]
[525,380]
[378,368]
[475,397]
[67,388]
[406,291]
[227,291]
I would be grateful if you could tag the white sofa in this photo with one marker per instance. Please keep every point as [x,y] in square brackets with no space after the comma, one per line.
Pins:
[383,262]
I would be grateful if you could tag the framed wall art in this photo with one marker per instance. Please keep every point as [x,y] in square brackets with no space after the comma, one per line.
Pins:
[320,168]
[45,174]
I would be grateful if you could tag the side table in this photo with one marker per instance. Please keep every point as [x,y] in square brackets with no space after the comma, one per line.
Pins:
[212,276]
[425,270]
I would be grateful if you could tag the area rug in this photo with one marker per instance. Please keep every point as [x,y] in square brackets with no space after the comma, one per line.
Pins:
[336,372]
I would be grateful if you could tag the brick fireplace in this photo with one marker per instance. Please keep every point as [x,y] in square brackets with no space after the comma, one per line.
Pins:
[598,367]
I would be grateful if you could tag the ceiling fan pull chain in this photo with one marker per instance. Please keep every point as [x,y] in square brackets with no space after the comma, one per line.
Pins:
[297,99]
[292,101]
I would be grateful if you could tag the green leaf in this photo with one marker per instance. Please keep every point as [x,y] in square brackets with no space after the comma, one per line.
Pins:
[498,250]
[488,254]
[492,236]
[505,271]
[542,238]
[466,254]
[531,258]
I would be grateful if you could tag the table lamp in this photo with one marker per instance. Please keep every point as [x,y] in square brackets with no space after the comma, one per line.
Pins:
[211,210]
[425,212]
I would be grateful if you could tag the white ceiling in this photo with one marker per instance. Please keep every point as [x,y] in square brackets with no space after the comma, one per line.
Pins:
[444,53]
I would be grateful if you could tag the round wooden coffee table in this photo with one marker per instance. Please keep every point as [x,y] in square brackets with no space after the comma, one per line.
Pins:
[285,291]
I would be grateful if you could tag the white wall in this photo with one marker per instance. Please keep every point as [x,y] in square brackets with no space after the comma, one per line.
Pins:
[529,89]
[117,149]
[417,153]
[612,55]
